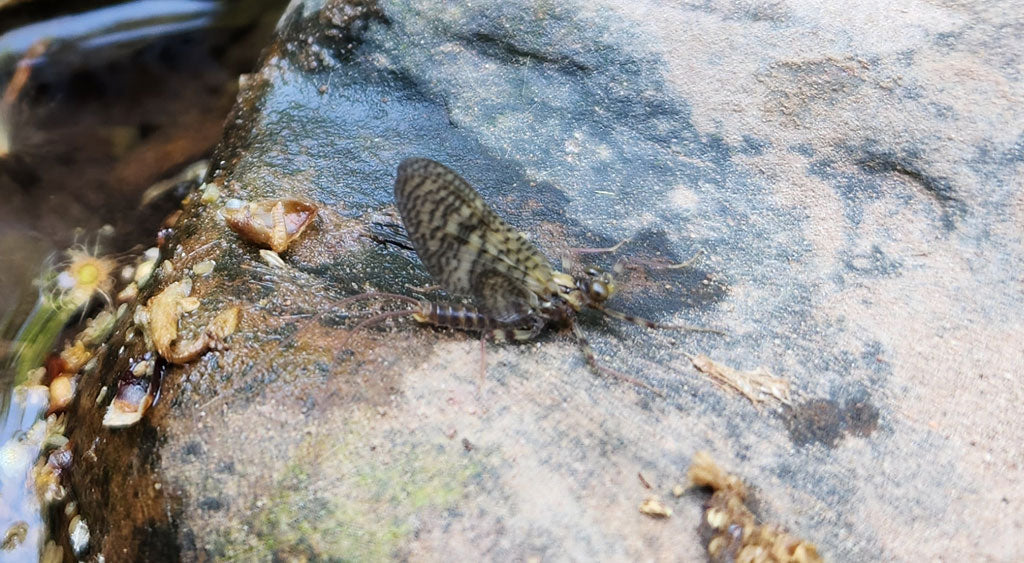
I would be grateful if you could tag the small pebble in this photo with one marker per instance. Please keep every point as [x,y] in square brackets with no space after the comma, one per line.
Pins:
[61,392]
[144,272]
[128,294]
[203,268]
[210,194]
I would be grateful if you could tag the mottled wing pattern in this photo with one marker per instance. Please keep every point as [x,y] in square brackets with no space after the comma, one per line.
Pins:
[502,298]
[464,245]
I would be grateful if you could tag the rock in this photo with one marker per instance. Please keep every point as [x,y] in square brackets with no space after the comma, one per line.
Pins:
[851,175]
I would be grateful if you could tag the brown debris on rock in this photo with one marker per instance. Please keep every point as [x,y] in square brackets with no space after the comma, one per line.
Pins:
[735,532]
[160,320]
[272,223]
[161,314]
[654,508]
[757,386]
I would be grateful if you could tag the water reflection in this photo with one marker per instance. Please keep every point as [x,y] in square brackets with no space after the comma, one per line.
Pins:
[118,25]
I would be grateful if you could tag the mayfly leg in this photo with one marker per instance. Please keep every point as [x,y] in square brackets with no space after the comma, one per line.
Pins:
[634,262]
[380,317]
[651,324]
[468,318]
[376,319]
[655,265]
[608,249]
[567,259]
[591,358]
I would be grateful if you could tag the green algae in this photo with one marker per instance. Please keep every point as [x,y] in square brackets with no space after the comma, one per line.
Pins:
[367,508]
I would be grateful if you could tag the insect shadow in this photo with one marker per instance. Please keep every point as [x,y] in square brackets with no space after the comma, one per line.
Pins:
[469,250]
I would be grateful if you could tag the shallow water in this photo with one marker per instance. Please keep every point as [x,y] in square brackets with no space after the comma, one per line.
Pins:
[109,100]
[21,438]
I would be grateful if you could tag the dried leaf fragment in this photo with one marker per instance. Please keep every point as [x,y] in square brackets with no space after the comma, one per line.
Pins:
[654,508]
[704,472]
[757,386]
[272,223]
[736,534]
[14,536]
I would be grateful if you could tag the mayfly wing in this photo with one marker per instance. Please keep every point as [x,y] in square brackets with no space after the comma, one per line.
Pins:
[464,244]
[503,298]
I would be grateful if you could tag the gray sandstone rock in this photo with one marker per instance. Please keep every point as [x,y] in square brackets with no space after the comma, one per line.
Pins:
[851,173]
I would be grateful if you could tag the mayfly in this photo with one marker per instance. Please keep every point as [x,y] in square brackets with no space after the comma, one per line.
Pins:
[469,250]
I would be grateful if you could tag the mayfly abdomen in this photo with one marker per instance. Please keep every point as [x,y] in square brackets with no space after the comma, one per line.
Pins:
[460,317]
[468,318]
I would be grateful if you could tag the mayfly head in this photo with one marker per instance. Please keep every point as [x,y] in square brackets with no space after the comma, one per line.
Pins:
[595,287]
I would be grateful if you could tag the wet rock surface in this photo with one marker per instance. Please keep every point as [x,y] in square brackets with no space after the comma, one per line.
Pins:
[852,177]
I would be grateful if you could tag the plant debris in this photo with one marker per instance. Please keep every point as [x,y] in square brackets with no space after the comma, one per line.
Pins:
[14,536]
[160,321]
[272,258]
[162,314]
[144,271]
[210,193]
[98,328]
[49,476]
[128,294]
[735,533]
[758,386]
[74,357]
[272,223]
[654,508]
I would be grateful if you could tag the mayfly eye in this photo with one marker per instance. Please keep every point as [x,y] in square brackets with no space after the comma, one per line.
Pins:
[599,290]
[593,272]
